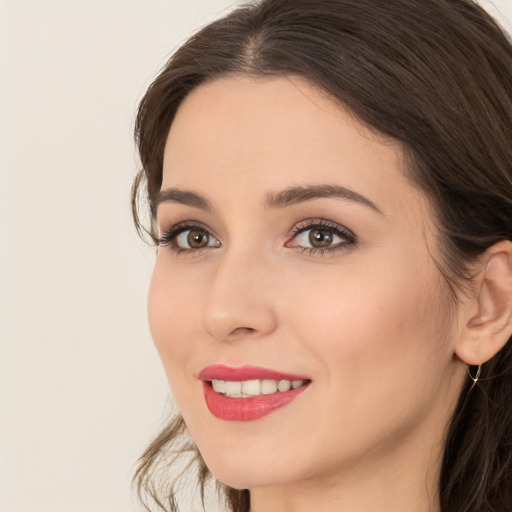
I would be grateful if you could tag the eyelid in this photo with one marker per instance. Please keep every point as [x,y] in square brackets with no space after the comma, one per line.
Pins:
[306,224]
[327,225]
[168,236]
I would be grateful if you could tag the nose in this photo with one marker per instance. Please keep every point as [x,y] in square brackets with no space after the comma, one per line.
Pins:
[239,300]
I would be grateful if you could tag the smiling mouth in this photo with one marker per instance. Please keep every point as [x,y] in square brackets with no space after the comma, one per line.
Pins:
[242,407]
[254,387]
[248,393]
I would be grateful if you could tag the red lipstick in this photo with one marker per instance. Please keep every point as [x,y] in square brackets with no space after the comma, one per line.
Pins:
[247,408]
[222,372]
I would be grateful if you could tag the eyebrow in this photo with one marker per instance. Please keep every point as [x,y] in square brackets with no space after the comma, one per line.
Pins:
[281,199]
[294,195]
[176,195]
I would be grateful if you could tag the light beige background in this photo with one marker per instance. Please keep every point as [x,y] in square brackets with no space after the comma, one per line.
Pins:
[81,388]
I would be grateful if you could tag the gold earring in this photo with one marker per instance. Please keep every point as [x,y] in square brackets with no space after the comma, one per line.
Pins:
[476,377]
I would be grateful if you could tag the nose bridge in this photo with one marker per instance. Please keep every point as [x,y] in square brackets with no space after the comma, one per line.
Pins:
[238,303]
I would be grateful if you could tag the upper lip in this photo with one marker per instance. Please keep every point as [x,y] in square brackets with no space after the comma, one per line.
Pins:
[241,373]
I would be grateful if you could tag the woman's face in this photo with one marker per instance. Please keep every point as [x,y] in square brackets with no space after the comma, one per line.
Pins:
[294,249]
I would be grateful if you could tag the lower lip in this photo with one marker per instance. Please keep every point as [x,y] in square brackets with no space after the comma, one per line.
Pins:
[249,408]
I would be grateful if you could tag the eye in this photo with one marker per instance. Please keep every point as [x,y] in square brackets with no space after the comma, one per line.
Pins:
[321,236]
[193,239]
[318,238]
[185,237]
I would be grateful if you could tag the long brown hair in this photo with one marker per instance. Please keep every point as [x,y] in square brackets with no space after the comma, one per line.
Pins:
[436,76]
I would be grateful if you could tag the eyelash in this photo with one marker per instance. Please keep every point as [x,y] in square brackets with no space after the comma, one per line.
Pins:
[168,238]
[349,238]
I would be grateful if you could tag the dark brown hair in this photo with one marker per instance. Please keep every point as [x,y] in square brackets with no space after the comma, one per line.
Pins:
[434,75]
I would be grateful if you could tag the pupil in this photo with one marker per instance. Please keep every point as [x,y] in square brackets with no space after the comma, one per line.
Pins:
[319,238]
[197,239]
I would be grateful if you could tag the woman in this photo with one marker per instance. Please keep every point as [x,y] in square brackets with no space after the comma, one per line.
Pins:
[330,185]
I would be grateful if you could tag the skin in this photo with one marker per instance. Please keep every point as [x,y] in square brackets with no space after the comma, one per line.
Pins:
[369,323]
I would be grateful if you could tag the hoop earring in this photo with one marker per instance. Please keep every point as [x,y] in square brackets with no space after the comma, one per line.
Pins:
[476,377]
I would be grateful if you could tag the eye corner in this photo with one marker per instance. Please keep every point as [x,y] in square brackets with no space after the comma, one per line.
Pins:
[175,237]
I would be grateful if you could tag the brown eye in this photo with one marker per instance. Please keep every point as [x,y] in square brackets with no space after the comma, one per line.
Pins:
[189,239]
[197,238]
[320,238]
[185,237]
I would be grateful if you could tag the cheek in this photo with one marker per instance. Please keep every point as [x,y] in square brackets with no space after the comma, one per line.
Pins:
[372,305]
[376,334]
[172,319]
[374,340]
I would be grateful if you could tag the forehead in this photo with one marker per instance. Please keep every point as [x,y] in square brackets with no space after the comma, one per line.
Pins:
[243,135]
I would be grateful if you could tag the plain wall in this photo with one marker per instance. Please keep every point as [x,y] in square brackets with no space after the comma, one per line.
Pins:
[81,388]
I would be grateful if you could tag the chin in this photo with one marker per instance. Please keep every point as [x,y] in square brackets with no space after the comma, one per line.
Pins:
[240,466]
[246,477]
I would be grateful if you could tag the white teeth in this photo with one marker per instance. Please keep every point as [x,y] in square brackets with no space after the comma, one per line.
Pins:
[284,385]
[219,385]
[268,387]
[251,387]
[254,387]
[233,388]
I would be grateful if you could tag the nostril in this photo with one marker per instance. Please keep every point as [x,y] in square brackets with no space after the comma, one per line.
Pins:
[238,332]
[243,331]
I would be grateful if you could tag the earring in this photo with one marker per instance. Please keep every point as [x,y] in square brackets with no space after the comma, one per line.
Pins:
[476,377]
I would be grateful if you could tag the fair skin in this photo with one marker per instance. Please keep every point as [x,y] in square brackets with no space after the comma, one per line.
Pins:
[368,322]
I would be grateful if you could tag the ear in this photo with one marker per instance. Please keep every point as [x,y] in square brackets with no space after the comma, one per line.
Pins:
[486,319]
